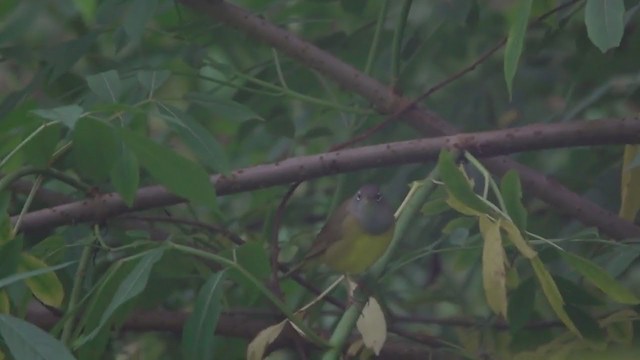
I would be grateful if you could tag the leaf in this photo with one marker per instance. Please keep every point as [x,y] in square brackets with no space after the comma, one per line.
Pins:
[68,115]
[552,294]
[199,139]
[257,346]
[130,287]
[26,341]
[493,269]
[94,148]
[9,255]
[521,304]
[199,329]
[512,194]
[125,173]
[106,85]
[457,184]
[515,40]
[605,22]
[5,303]
[39,149]
[630,184]
[587,325]
[29,274]
[515,236]
[181,176]
[223,108]
[152,79]
[601,279]
[137,17]
[42,281]
[372,326]
[619,326]
[63,56]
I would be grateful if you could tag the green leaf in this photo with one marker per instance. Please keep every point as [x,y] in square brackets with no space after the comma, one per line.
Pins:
[512,195]
[223,108]
[44,285]
[39,149]
[106,85]
[137,17]
[605,22]
[521,302]
[125,174]
[575,294]
[68,115]
[130,287]
[94,148]
[29,274]
[493,269]
[515,40]
[9,255]
[199,139]
[62,57]
[181,176]
[586,324]
[601,279]
[199,329]
[457,184]
[152,79]
[552,294]
[27,341]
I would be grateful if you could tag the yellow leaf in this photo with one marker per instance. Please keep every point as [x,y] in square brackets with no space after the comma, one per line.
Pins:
[493,270]
[460,207]
[46,287]
[551,292]
[630,184]
[372,326]
[515,236]
[257,347]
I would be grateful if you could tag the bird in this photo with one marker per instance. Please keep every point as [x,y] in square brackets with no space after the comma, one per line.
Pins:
[355,235]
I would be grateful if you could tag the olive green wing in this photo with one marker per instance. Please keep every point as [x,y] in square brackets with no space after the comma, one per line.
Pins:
[329,234]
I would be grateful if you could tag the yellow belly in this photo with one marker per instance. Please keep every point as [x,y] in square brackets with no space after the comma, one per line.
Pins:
[356,251]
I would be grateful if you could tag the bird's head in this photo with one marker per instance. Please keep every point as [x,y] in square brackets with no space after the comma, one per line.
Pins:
[371,209]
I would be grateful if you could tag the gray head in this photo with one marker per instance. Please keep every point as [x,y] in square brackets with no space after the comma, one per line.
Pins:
[371,209]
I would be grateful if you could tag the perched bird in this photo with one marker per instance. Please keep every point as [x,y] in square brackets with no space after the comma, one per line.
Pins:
[356,234]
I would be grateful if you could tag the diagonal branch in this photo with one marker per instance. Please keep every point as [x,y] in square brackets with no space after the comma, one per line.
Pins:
[427,122]
[482,145]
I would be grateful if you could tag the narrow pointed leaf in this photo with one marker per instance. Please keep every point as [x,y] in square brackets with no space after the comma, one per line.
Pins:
[27,341]
[257,346]
[125,173]
[515,40]
[512,194]
[515,236]
[457,184]
[493,269]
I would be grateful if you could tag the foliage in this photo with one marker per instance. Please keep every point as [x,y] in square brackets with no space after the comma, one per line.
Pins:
[102,101]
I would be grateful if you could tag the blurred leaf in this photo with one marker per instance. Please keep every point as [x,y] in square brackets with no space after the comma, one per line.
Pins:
[630,184]
[223,108]
[63,56]
[181,176]
[515,236]
[42,280]
[512,195]
[152,79]
[605,22]
[457,184]
[493,269]
[50,250]
[199,139]
[87,8]
[106,85]
[552,294]
[619,326]
[94,149]
[257,346]
[68,115]
[356,7]
[521,304]
[575,294]
[199,329]
[600,278]
[434,207]
[129,288]
[372,326]
[26,341]
[253,257]
[459,223]
[39,149]
[9,254]
[137,16]
[587,325]
[125,173]
[518,21]
[5,303]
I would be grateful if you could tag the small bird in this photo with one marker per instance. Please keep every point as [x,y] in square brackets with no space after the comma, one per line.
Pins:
[356,234]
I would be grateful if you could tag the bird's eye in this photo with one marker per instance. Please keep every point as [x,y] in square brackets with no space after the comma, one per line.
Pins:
[378,197]
[358,196]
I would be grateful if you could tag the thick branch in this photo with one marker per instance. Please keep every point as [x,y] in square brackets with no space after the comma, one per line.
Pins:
[426,121]
[483,144]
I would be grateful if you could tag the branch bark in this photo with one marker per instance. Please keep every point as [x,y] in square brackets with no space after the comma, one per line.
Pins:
[428,122]
[482,144]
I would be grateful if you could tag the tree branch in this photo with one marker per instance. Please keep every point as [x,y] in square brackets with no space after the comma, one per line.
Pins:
[424,120]
[482,144]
